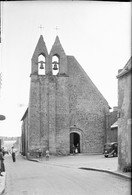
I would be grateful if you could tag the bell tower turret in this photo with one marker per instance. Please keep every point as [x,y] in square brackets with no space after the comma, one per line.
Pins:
[58,100]
[49,100]
[40,58]
[38,101]
[58,58]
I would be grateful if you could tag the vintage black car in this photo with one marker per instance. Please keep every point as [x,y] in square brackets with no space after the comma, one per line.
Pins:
[111,149]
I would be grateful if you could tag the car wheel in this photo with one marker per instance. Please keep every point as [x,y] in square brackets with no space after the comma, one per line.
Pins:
[114,155]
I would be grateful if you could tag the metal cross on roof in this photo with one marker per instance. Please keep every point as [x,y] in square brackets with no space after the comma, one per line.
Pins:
[41,28]
[57,28]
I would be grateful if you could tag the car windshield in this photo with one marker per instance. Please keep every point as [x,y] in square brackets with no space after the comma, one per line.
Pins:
[108,146]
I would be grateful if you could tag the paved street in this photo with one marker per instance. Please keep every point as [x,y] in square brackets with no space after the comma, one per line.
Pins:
[49,178]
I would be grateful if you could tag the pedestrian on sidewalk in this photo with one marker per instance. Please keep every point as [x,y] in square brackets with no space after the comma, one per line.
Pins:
[47,155]
[40,154]
[2,166]
[3,151]
[13,153]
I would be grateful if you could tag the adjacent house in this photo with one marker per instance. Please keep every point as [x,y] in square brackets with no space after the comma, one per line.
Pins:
[124,120]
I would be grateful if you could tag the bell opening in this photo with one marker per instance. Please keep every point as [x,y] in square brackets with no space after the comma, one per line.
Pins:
[41,64]
[55,65]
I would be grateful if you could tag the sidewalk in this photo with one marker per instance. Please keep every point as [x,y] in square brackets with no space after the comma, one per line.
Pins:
[87,162]
[2,182]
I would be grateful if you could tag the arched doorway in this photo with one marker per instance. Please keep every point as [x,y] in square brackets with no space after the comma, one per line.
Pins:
[74,141]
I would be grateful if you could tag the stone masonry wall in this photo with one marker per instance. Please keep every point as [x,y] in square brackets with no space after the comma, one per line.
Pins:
[112,133]
[26,133]
[24,136]
[49,114]
[62,116]
[52,114]
[113,117]
[88,108]
[44,115]
[23,139]
[124,122]
[34,114]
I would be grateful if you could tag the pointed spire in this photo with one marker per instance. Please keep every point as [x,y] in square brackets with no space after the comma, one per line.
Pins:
[40,48]
[41,39]
[59,51]
[57,47]
[57,41]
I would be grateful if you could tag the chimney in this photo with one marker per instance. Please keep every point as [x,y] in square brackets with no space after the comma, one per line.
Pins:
[115,108]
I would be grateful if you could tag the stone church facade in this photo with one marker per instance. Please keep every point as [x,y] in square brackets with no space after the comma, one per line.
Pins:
[65,107]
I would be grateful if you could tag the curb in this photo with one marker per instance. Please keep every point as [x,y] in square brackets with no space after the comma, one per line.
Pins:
[2,184]
[106,171]
[100,170]
[35,160]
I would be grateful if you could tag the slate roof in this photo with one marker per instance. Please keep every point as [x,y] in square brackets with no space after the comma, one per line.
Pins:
[114,125]
[25,114]
[127,68]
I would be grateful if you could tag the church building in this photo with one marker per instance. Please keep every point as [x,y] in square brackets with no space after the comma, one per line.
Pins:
[65,108]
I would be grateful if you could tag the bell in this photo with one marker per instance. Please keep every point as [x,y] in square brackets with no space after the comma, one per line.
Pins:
[41,65]
[55,65]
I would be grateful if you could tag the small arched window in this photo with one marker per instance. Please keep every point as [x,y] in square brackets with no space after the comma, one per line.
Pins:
[41,64]
[55,64]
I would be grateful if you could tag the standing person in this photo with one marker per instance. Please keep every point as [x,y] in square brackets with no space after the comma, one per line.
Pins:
[76,150]
[40,154]
[13,154]
[47,154]
[3,151]
[73,149]
[2,166]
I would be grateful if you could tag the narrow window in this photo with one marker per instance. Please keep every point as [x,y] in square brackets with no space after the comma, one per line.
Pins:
[55,65]
[41,64]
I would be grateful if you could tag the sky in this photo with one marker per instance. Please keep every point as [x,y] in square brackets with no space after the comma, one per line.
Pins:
[97,34]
